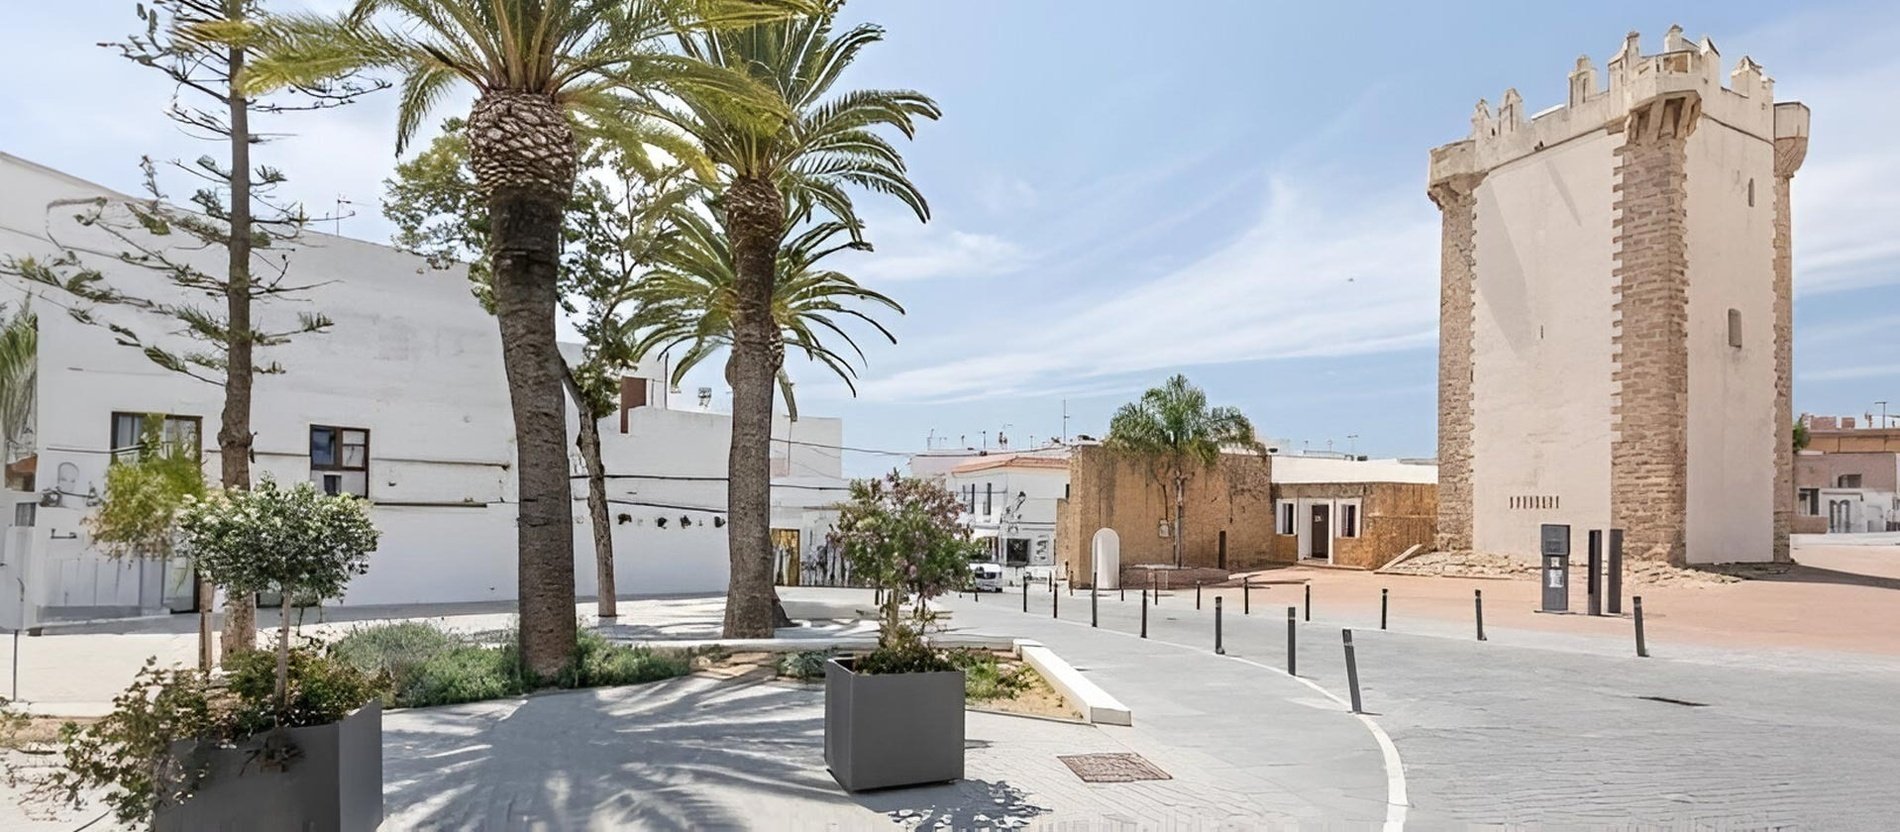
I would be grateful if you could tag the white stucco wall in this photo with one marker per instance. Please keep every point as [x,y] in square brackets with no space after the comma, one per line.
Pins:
[1731,390]
[1541,337]
[411,358]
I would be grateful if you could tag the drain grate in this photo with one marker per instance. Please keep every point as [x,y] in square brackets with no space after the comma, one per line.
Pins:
[1667,700]
[1113,768]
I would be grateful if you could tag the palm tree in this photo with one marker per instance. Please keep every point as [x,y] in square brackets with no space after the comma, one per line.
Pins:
[1173,427]
[536,66]
[689,302]
[808,159]
[19,373]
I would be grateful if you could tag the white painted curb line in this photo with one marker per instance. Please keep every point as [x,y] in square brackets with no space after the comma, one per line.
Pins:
[1096,705]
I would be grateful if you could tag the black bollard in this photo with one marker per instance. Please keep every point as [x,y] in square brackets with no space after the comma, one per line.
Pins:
[1246,595]
[1154,585]
[1477,602]
[1642,649]
[1218,649]
[1025,593]
[1292,654]
[1309,602]
[1197,595]
[1384,596]
[1094,613]
[1122,587]
[1055,599]
[1352,672]
[1144,613]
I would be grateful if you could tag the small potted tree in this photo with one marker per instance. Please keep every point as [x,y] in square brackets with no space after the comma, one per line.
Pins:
[894,716]
[286,740]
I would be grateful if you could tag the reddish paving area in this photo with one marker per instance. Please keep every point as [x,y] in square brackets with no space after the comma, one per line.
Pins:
[1844,598]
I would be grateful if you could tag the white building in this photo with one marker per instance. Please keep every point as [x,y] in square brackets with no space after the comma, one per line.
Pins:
[1009,501]
[403,400]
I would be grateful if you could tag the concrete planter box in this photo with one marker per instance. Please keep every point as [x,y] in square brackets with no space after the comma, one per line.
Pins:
[336,783]
[898,729]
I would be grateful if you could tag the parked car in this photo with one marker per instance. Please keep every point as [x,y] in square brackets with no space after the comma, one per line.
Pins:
[987,577]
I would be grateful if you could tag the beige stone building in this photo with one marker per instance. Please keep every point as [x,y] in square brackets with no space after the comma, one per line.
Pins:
[1616,311]
[1847,480]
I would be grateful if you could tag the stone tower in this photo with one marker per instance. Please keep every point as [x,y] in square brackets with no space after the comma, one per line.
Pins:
[1616,312]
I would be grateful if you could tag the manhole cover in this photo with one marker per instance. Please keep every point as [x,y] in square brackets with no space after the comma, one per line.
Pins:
[1113,768]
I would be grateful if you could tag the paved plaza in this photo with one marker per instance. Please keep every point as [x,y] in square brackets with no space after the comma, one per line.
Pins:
[1557,724]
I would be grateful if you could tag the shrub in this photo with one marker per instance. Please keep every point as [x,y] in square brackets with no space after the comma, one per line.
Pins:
[985,678]
[902,535]
[464,673]
[805,664]
[599,662]
[396,649]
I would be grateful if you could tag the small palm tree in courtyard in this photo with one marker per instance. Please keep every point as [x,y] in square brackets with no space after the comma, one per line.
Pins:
[1173,427]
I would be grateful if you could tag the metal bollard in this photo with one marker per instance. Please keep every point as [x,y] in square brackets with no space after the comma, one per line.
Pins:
[1055,599]
[1246,595]
[1095,616]
[1144,613]
[1122,587]
[1292,654]
[1642,649]
[1154,585]
[1197,595]
[1352,672]
[1384,595]
[1477,601]
[1218,649]
[1309,602]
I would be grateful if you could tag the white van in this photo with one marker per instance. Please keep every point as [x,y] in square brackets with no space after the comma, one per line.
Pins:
[987,577]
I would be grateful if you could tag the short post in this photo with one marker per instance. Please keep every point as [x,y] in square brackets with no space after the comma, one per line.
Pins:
[1384,598]
[1071,580]
[1594,585]
[1352,672]
[1154,585]
[1614,568]
[1197,595]
[1144,613]
[1025,593]
[1218,649]
[1122,587]
[976,593]
[1292,655]
[1055,599]
[1642,649]
[1309,602]
[1477,602]
[1246,595]
[1095,619]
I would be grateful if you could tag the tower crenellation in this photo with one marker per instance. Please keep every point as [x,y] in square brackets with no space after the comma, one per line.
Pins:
[1742,98]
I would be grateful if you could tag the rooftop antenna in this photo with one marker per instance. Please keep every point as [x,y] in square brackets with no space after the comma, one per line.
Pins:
[1065,421]
[338,217]
[1352,444]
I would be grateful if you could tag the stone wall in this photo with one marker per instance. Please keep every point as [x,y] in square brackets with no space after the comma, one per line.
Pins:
[1456,197]
[1115,491]
[1789,153]
[1394,516]
[1649,451]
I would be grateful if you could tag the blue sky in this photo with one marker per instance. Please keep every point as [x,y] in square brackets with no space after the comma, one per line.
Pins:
[1234,190]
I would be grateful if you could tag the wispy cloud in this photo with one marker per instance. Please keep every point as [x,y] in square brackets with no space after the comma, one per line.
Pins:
[1310,277]
[1851,373]
[908,251]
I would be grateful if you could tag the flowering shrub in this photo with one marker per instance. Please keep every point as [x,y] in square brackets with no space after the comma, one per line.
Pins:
[901,535]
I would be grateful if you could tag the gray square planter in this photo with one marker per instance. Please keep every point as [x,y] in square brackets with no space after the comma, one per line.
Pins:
[337,783]
[897,729]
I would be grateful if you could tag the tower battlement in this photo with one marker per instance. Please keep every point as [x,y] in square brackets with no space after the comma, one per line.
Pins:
[1744,101]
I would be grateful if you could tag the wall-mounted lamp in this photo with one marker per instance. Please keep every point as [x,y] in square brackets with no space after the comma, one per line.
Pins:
[719,522]
[659,521]
[685,521]
[1162,530]
[624,518]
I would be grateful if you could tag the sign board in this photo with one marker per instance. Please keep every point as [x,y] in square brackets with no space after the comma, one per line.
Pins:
[1555,547]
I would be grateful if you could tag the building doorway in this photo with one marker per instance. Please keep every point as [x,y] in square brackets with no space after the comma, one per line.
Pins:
[1322,532]
[1222,552]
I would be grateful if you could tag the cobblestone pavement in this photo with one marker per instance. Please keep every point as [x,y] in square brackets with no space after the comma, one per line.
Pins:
[1534,729]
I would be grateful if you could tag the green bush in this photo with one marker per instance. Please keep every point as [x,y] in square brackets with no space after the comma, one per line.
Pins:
[599,662]
[805,664]
[463,673]
[984,678]
[396,649]
[321,689]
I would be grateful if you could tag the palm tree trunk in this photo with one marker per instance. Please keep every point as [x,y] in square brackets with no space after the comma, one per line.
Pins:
[605,595]
[754,218]
[524,156]
[1180,515]
[526,252]
[234,427]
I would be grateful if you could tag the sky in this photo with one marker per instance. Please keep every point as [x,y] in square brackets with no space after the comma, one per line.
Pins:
[1234,190]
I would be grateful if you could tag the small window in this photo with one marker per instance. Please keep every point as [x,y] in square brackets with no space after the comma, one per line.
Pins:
[339,460]
[1349,520]
[1286,518]
[989,498]
[1735,327]
[1847,481]
[175,433]
[1810,499]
